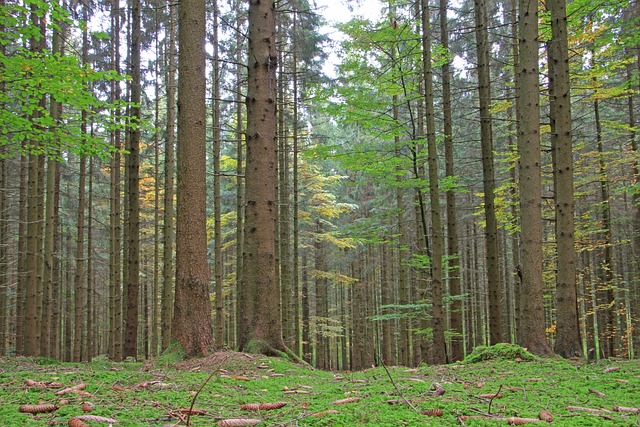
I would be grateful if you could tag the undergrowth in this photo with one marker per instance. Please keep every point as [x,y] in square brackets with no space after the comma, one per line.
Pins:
[508,384]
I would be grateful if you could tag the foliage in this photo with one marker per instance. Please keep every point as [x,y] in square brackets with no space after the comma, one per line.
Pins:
[30,77]
[502,351]
[156,394]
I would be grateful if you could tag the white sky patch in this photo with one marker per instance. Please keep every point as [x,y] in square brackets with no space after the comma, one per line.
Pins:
[340,11]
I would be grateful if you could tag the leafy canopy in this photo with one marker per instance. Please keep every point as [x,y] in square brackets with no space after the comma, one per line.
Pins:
[30,79]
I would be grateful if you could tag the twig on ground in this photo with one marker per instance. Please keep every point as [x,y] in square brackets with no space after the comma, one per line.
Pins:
[195,396]
[494,396]
[396,387]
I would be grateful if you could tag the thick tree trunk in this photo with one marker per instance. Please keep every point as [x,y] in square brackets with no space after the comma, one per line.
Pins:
[260,327]
[191,326]
[532,325]
[567,322]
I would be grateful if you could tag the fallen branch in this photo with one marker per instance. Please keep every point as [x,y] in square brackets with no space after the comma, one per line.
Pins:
[396,387]
[494,396]
[626,409]
[195,396]
[589,410]
[75,389]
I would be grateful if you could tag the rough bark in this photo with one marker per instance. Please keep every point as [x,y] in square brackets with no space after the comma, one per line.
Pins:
[168,231]
[488,174]
[133,191]
[567,342]
[439,353]
[532,325]
[260,327]
[239,75]
[456,350]
[191,326]
[217,178]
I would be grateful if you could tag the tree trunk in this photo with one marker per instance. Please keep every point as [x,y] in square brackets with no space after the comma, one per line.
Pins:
[168,272]
[217,177]
[439,354]
[322,300]
[567,322]
[532,326]
[453,256]
[115,223]
[192,327]
[260,328]
[486,135]
[604,293]
[239,75]
[33,252]
[133,191]
[284,211]
[80,306]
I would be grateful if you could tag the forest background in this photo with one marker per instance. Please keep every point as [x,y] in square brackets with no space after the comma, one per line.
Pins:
[420,210]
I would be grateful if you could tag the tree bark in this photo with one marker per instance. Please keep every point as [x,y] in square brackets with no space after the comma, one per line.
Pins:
[217,177]
[115,222]
[568,342]
[133,191]
[168,271]
[532,326]
[191,326]
[439,354]
[486,134]
[260,327]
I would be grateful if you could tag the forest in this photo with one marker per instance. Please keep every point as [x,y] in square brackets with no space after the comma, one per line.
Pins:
[258,176]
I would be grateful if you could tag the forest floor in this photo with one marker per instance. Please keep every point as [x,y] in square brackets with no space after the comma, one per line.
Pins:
[237,389]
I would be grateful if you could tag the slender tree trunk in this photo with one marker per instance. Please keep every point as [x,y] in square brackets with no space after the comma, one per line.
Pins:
[133,191]
[284,211]
[567,324]
[239,75]
[191,326]
[604,293]
[486,135]
[115,227]
[439,354]
[296,200]
[531,326]
[33,294]
[21,287]
[513,174]
[453,256]
[156,299]
[168,272]
[635,276]
[49,283]
[306,311]
[90,340]
[260,328]
[322,303]
[4,235]
[217,177]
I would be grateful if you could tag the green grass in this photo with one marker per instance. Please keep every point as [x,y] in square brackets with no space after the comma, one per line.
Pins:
[153,390]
